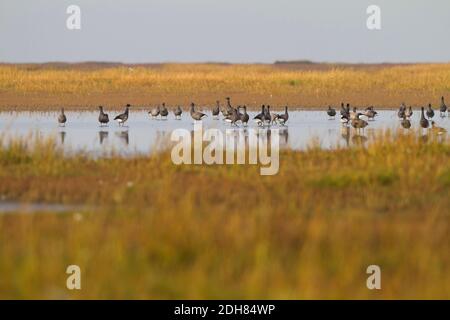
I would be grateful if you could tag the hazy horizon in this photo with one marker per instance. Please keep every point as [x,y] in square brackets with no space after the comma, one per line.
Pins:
[232,31]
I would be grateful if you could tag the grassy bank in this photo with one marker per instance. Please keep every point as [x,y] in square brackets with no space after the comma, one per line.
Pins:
[156,230]
[85,86]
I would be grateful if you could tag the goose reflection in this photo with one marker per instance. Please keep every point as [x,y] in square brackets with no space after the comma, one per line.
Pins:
[345,134]
[62,136]
[123,135]
[102,135]
[359,139]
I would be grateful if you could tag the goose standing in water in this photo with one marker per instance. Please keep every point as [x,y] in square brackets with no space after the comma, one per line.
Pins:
[267,119]
[259,117]
[370,113]
[196,115]
[233,117]
[245,117]
[423,121]
[154,112]
[103,118]
[331,112]
[216,110]
[283,117]
[436,129]
[229,106]
[343,109]
[409,112]
[354,114]
[164,112]
[401,111]
[123,117]
[177,112]
[443,107]
[430,112]
[358,123]
[62,119]
[405,122]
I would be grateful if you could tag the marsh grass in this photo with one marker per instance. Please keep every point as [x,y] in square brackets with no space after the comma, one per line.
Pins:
[47,87]
[166,231]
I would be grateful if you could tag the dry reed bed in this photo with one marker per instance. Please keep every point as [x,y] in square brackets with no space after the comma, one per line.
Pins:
[166,231]
[47,87]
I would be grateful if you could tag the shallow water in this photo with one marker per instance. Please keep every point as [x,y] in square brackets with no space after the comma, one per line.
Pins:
[19,207]
[143,134]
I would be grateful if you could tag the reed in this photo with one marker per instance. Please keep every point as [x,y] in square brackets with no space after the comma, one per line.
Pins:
[155,230]
[308,86]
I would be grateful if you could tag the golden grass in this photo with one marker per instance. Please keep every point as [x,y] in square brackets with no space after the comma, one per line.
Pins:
[43,87]
[156,230]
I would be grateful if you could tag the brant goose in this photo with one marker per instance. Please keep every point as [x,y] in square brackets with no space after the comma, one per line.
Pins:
[245,116]
[443,107]
[177,112]
[423,121]
[123,117]
[216,110]
[283,117]
[430,111]
[154,112]
[409,112]
[370,113]
[103,118]
[196,115]
[62,119]
[164,112]
[401,111]
[259,117]
[331,112]
[358,123]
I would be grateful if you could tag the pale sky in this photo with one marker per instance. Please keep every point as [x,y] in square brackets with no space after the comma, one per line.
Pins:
[138,31]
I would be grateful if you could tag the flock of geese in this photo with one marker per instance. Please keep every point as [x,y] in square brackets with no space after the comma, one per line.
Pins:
[234,116]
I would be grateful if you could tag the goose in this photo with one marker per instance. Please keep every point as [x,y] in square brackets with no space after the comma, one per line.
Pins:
[401,111]
[123,117]
[370,113]
[283,118]
[155,112]
[331,112]
[196,115]
[164,112]
[239,113]
[103,118]
[259,117]
[409,112]
[430,111]
[245,117]
[62,119]
[267,118]
[345,119]
[229,107]
[443,107]
[358,123]
[423,121]
[354,114]
[273,118]
[233,117]
[436,129]
[177,112]
[405,122]
[343,109]
[216,110]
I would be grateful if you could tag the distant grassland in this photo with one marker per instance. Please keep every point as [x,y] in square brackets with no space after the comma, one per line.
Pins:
[308,85]
[157,230]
